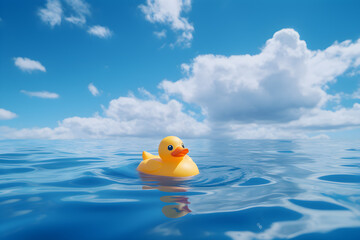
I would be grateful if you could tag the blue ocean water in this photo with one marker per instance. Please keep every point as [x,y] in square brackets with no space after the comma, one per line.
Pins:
[246,189]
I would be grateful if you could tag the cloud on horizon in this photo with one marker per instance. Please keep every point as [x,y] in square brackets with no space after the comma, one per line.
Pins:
[279,93]
[125,116]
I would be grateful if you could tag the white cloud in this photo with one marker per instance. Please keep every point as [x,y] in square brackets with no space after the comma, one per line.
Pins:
[6,115]
[319,119]
[145,93]
[279,93]
[52,13]
[81,9]
[76,20]
[150,117]
[125,116]
[28,65]
[161,34]
[100,31]
[315,121]
[75,12]
[280,84]
[42,94]
[185,68]
[94,91]
[168,12]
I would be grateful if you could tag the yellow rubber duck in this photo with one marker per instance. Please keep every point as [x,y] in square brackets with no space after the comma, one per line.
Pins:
[172,161]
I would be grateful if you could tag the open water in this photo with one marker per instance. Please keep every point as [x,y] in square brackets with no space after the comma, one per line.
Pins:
[246,189]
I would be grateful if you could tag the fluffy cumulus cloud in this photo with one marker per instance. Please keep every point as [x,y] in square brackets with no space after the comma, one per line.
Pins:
[41,94]
[280,92]
[285,83]
[74,12]
[6,114]
[125,116]
[168,12]
[94,91]
[100,31]
[28,65]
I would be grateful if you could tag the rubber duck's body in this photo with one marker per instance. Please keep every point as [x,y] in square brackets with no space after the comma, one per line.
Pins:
[172,161]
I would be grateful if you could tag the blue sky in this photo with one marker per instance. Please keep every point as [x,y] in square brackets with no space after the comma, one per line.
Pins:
[149,61]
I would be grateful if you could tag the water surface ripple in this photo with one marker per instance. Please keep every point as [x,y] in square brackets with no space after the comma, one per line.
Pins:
[246,189]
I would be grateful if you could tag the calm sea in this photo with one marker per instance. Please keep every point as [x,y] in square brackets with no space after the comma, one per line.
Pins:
[246,189]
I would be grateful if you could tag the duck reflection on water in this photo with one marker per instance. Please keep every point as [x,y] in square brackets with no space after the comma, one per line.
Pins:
[179,206]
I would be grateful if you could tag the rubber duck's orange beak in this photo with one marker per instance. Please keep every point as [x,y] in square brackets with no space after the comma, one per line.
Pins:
[180,152]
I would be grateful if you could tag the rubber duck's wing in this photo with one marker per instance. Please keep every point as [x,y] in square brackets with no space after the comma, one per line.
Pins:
[151,165]
[146,155]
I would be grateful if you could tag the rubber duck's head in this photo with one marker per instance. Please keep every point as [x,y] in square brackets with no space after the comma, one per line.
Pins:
[172,149]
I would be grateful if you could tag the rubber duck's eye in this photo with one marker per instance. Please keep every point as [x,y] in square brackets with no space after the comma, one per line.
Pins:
[170,147]
[183,145]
